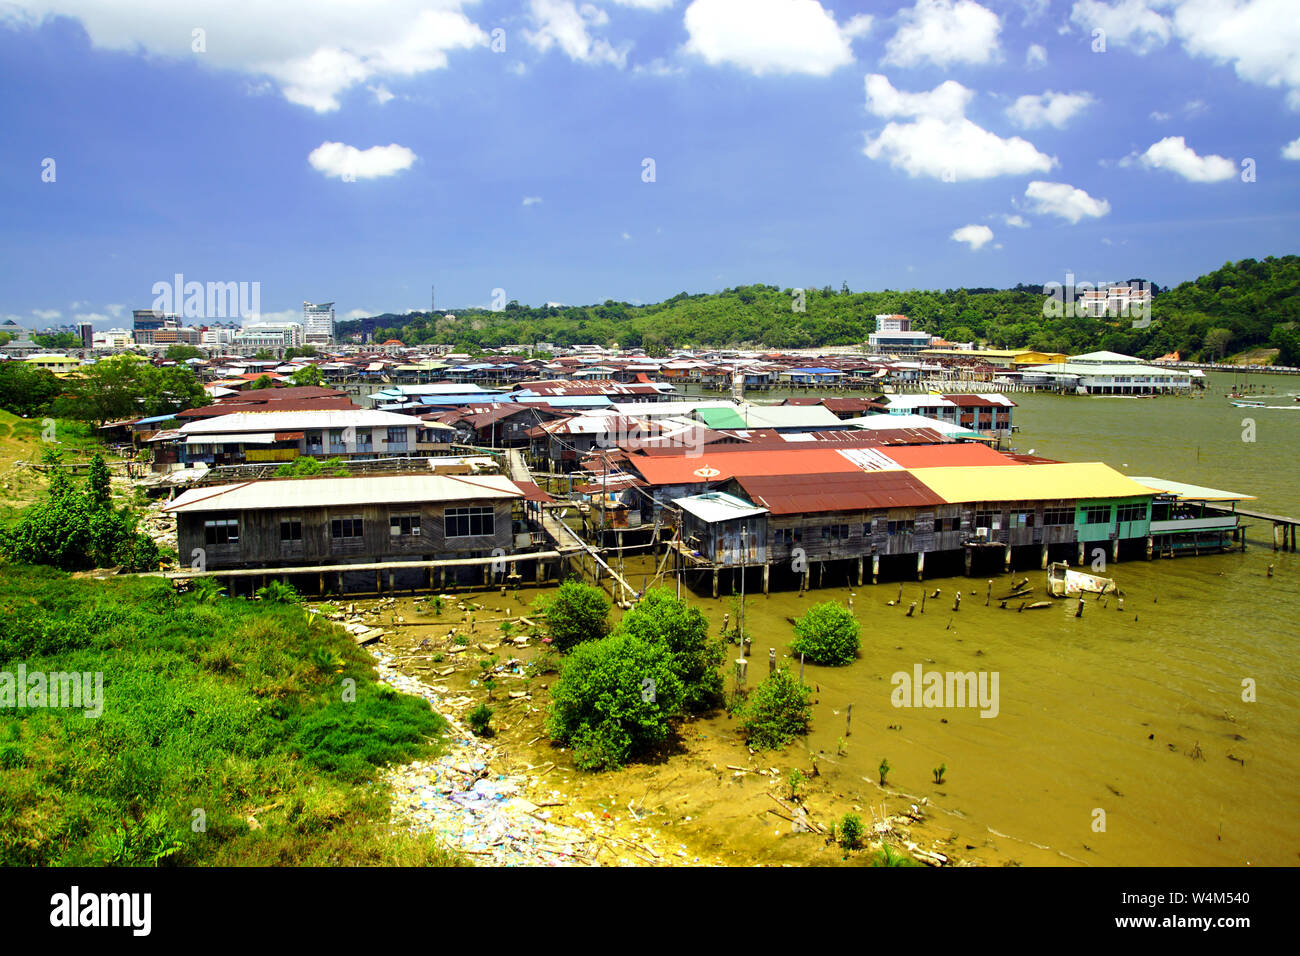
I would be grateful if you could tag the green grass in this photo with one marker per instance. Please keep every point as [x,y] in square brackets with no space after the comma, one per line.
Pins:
[235,708]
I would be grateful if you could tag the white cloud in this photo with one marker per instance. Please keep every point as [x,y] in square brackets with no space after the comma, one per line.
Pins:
[339,160]
[91,317]
[1173,153]
[646,4]
[1160,117]
[47,315]
[1064,200]
[532,200]
[627,235]
[359,314]
[382,94]
[769,36]
[945,32]
[1259,38]
[858,26]
[314,51]
[1048,109]
[115,310]
[939,141]
[658,67]
[1036,56]
[563,24]
[1130,23]
[1019,222]
[1292,149]
[974,236]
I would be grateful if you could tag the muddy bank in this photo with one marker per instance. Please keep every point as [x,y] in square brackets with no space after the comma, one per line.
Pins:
[515,799]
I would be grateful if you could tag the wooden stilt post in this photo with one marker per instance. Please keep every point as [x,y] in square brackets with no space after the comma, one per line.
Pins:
[920,565]
[1151,547]
[1006,559]
[1082,550]
[1043,559]
[875,569]
[766,569]
[970,552]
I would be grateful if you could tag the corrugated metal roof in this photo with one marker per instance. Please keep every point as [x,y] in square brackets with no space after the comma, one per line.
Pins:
[690,469]
[1188,492]
[289,493]
[950,455]
[290,421]
[717,506]
[859,491]
[1067,481]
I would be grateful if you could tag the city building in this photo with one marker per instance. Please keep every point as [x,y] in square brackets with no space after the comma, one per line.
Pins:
[894,334]
[318,322]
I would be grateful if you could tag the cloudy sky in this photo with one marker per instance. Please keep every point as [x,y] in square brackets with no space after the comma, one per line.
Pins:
[631,149]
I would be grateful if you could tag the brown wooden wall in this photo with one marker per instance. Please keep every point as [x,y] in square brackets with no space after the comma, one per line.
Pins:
[260,544]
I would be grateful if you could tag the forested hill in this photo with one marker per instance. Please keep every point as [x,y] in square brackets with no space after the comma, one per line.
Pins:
[1242,305]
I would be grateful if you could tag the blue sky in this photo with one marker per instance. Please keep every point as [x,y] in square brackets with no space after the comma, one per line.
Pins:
[361,151]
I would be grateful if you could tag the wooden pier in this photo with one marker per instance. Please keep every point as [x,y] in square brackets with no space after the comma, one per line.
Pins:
[1284,528]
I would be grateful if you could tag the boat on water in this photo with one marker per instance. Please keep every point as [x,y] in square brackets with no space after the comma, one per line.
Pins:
[1064,582]
[1250,404]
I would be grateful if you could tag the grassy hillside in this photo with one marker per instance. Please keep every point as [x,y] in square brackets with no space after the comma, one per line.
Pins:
[231,712]
[23,439]
[1249,299]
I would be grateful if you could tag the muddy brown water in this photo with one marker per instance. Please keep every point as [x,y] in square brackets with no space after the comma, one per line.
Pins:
[1121,738]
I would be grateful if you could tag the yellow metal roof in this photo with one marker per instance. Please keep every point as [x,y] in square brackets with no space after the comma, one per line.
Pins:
[1067,481]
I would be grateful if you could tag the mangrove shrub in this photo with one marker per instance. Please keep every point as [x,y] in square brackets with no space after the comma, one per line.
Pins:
[827,634]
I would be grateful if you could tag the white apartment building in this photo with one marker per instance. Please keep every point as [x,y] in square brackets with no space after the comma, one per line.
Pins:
[894,333]
[268,335]
[318,322]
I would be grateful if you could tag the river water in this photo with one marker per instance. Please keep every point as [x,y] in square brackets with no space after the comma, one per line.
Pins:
[1121,737]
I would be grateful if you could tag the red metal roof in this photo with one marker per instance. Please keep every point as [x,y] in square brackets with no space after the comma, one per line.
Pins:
[532,492]
[859,491]
[943,456]
[711,466]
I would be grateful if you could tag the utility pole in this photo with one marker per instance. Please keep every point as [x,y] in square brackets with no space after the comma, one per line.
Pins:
[744,533]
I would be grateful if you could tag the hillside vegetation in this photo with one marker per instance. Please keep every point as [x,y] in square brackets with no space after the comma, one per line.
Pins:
[1242,305]
[227,734]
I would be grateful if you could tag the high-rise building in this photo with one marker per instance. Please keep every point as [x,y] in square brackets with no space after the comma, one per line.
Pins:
[86,332]
[318,322]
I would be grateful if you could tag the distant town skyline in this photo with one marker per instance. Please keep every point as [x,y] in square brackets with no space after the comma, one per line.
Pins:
[555,151]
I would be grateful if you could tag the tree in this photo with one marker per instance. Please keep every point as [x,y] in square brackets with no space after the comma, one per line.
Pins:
[306,351]
[76,528]
[827,634]
[1216,341]
[615,698]
[778,710]
[26,389]
[57,340]
[660,616]
[127,387]
[264,355]
[99,484]
[263,381]
[179,353]
[577,612]
[1286,339]
[307,375]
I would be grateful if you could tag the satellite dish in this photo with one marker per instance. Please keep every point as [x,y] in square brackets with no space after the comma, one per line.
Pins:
[706,472]
[1031,451]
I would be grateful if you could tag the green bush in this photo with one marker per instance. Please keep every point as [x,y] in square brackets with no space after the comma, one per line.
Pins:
[661,616]
[776,711]
[480,720]
[577,612]
[849,832]
[76,528]
[827,634]
[614,698]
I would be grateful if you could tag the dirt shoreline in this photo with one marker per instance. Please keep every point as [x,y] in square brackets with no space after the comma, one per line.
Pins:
[706,801]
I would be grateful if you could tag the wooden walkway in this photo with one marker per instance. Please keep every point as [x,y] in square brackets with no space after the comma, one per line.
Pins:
[1285,530]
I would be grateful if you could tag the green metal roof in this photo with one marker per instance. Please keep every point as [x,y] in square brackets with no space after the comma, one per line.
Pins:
[720,417]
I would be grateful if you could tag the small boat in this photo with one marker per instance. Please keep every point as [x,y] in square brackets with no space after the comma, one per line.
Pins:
[1251,404]
[1063,582]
